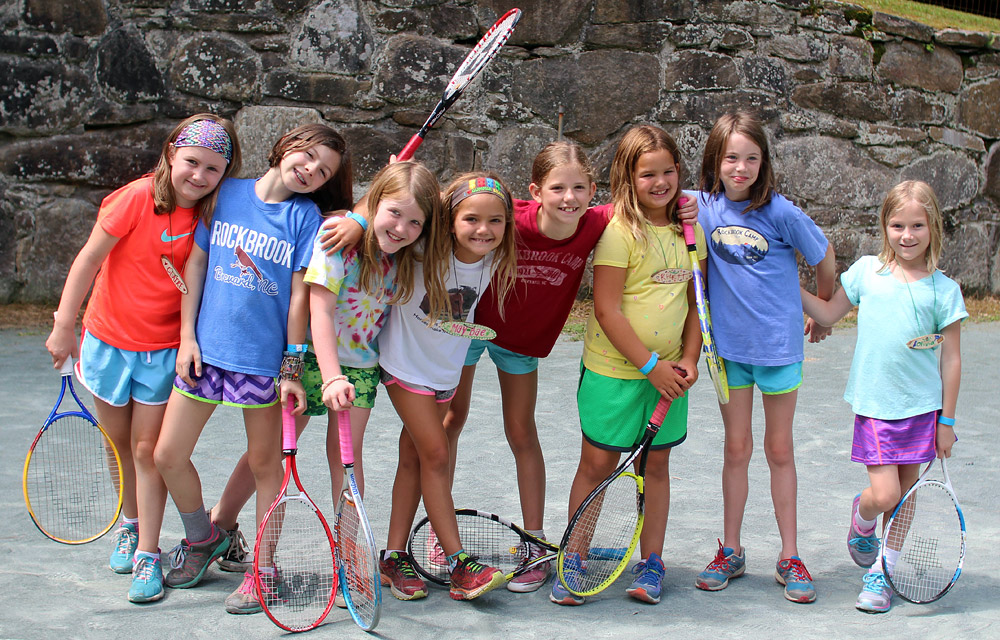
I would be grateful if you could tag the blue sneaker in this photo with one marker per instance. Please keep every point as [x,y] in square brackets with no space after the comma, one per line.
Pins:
[147,580]
[648,581]
[798,583]
[875,596]
[572,570]
[126,540]
[862,547]
[726,565]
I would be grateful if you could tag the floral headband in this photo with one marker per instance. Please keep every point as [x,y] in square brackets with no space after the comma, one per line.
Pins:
[481,185]
[208,134]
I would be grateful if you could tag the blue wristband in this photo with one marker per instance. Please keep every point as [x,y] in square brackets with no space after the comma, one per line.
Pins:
[360,219]
[297,348]
[646,368]
[948,422]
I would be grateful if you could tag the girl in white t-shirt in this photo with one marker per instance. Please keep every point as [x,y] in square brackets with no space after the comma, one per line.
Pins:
[903,396]
[422,350]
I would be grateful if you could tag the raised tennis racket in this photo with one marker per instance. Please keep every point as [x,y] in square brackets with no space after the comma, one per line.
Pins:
[72,474]
[294,569]
[927,530]
[716,367]
[478,58]
[492,539]
[357,555]
[604,532]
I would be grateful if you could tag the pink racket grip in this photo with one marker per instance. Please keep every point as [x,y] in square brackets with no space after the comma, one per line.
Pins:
[288,440]
[346,443]
[410,148]
[689,238]
[660,412]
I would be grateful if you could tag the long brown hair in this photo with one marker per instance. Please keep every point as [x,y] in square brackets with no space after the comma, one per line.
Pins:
[898,197]
[164,200]
[338,191]
[557,154]
[748,125]
[637,141]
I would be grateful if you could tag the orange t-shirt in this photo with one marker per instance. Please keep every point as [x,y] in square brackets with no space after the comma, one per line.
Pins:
[135,305]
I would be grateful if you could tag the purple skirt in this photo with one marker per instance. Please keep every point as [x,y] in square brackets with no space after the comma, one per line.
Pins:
[905,441]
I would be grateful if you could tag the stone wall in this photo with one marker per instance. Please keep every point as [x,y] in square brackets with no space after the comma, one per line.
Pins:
[854,102]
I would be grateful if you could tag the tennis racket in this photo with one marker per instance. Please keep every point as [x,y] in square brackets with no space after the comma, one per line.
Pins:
[72,475]
[294,569]
[490,538]
[927,529]
[716,367]
[478,58]
[603,533]
[357,555]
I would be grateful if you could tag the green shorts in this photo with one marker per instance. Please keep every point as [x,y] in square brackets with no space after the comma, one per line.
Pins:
[614,413]
[365,383]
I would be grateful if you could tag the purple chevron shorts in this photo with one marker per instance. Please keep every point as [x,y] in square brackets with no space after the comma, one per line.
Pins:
[219,386]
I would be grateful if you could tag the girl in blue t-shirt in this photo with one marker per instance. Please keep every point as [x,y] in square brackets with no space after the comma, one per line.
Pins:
[247,300]
[753,235]
[903,398]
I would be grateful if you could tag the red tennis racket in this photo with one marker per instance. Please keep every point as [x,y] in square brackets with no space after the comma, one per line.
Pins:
[478,58]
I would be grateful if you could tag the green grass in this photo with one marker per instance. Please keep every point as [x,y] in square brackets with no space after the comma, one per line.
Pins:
[934,16]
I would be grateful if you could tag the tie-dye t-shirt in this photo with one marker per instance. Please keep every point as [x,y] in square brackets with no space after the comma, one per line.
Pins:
[359,315]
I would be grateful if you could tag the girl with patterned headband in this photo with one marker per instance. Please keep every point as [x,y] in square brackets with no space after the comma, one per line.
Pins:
[134,258]
[248,300]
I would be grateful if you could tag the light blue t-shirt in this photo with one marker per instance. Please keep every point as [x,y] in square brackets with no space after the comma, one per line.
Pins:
[753,277]
[888,380]
[253,248]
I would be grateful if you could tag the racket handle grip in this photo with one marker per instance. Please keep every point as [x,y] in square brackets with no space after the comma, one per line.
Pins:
[410,148]
[288,440]
[660,412]
[346,443]
[689,238]
[67,366]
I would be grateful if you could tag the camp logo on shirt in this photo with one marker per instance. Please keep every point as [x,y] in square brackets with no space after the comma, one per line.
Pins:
[739,245]
[247,245]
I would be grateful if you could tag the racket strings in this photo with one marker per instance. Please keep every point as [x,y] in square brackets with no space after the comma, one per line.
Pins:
[296,565]
[603,534]
[72,480]
[491,542]
[360,563]
[926,533]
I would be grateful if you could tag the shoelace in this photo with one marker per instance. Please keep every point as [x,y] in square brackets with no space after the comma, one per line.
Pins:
[721,561]
[144,568]
[125,539]
[238,547]
[874,583]
[406,567]
[177,555]
[644,567]
[246,587]
[865,544]
[798,571]
[473,565]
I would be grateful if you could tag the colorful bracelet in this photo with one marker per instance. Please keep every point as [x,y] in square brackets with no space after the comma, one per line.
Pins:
[646,368]
[331,381]
[948,422]
[360,219]
[291,367]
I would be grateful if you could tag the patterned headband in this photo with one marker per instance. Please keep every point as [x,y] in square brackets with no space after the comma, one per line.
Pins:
[208,134]
[481,185]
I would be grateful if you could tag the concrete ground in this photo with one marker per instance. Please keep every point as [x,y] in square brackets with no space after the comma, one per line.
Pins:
[51,590]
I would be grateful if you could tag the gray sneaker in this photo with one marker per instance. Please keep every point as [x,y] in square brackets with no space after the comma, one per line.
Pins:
[244,599]
[190,561]
[875,596]
[726,566]
[237,557]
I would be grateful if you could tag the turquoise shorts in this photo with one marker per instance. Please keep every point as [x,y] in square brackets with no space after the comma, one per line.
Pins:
[771,381]
[116,376]
[505,359]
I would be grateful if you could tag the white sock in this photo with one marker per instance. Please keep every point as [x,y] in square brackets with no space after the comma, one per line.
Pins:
[864,526]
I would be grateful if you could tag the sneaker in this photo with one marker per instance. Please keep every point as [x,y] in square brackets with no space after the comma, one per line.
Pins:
[122,554]
[572,570]
[244,599]
[648,580]
[798,583]
[338,599]
[237,557]
[190,561]
[875,596]
[147,580]
[398,573]
[535,577]
[435,553]
[862,547]
[471,578]
[726,566]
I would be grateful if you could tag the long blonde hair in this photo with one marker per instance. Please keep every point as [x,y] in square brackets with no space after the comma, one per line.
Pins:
[898,197]
[637,141]
[398,181]
[164,200]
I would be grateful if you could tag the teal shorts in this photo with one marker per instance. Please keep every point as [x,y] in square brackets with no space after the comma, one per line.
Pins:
[505,359]
[365,383]
[117,376]
[771,381]
[614,413]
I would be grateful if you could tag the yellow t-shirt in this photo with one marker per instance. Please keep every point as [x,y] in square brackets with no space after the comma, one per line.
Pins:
[656,311]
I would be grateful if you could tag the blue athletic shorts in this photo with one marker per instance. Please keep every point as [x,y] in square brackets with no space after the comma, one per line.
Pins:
[505,359]
[770,380]
[115,375]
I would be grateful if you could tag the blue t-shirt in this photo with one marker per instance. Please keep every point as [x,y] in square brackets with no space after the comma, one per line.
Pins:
[888,380]
[253,248]
[753,277]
